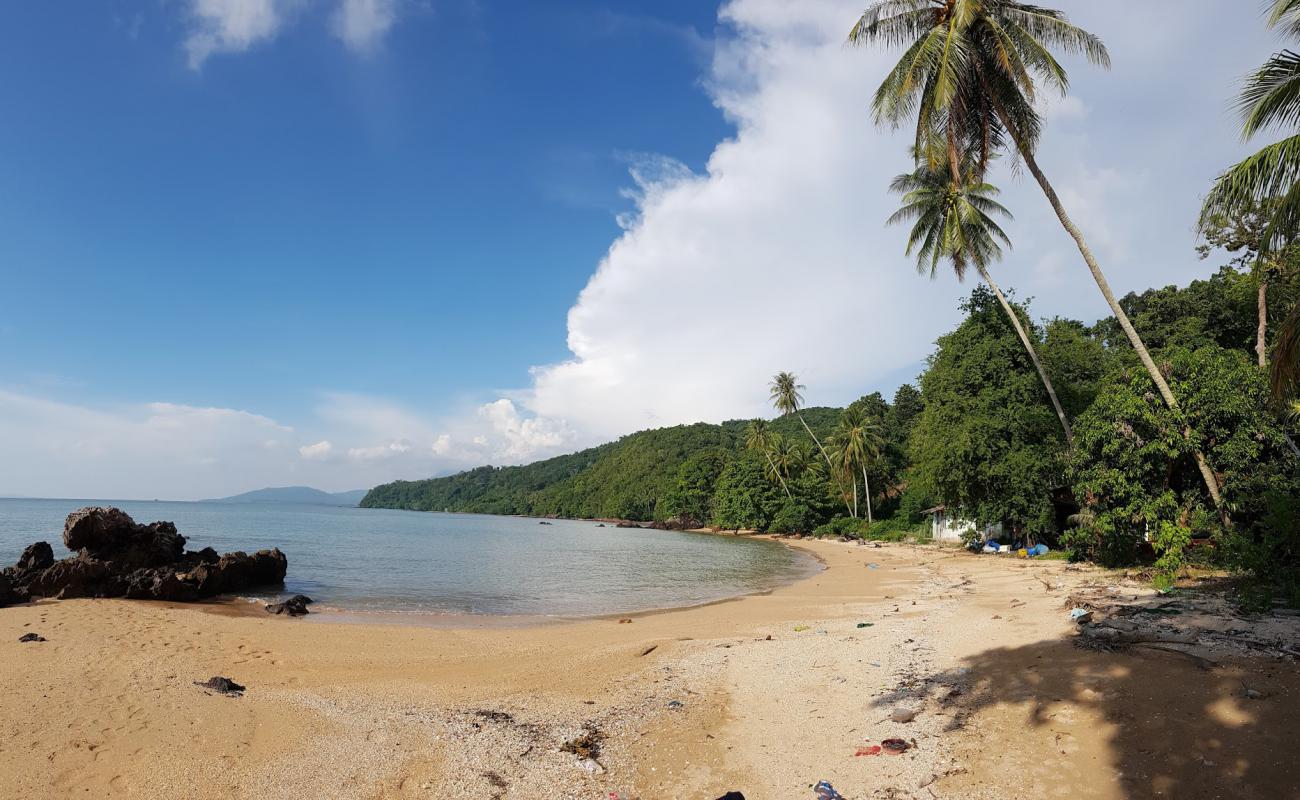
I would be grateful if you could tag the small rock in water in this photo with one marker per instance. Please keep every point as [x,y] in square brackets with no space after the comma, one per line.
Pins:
[902,715]
[221,685]
[31,637]
[295,606]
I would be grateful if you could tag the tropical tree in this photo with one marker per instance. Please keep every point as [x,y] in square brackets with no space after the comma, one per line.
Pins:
[759,439]
[783,460]
[1243,233]
[787,396]
[954,223]
[1270,98]
[857,442]
[969,77]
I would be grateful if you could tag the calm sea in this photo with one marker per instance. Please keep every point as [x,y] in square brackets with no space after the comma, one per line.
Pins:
[403,561]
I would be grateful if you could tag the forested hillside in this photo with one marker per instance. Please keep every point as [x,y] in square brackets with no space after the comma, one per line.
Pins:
[627,479]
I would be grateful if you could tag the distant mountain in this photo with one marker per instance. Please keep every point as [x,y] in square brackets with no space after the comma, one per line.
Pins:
[296,494]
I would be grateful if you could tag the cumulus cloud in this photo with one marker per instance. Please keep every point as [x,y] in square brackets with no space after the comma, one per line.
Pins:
[317,452]
[362,24]
[232,26]
[149,450]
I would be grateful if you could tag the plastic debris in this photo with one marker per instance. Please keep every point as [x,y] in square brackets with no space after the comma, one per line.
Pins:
[824,791]
[872,750]
[865,624]
[675,704]
[799,628]
[1081,615]
[895,747]
[873,566]
[31,637]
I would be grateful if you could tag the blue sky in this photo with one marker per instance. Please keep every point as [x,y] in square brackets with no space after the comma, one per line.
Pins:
[336,242]
[410,222]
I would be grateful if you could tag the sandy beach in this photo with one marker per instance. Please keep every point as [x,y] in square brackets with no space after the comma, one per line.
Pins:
[765,694]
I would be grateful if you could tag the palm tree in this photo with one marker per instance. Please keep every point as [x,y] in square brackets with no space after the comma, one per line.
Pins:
[783,458]
[1270,98]
[954,222]
[857,443]
[787,396]
[759,439]
[969,78]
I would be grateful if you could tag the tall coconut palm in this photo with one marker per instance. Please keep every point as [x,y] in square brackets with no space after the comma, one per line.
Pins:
[969,78]
[857,443]
[954,223]
[759,439]
[1270,98]
[787,396]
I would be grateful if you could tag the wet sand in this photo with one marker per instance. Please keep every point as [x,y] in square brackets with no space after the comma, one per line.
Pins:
[687,703]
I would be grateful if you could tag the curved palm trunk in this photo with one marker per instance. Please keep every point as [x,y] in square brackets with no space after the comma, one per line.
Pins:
[1207,474]
[866,490]
[829,465]
[777,473]
[1261,329]
[1033,355]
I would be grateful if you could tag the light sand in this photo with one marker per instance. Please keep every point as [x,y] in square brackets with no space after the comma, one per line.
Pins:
[1007,706]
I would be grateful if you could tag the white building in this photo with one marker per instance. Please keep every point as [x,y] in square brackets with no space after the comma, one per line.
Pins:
[945,527]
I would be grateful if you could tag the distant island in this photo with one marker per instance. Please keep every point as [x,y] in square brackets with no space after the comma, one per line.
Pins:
[296,494]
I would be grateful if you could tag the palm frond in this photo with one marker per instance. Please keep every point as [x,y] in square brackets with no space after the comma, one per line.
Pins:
[1271,95]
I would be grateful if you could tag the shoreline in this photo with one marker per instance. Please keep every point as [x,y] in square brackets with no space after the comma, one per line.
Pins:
[764,694]
[248,606]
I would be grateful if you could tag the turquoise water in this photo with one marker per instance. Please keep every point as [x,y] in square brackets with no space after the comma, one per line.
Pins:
[404,561]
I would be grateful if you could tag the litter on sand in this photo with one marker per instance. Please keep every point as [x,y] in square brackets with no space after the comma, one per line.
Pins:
[1081,615]
[895,747]
[870,750]
[824,791]
[799,628]
[873,566]
[865,624]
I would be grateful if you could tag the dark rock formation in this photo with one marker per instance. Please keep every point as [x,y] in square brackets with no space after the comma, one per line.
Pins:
[36,556]
[31,637]
[116,557]
[295,606]
[221,685]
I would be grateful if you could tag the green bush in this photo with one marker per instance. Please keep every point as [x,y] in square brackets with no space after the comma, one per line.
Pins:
[841,526]
[897,529]
[792,518]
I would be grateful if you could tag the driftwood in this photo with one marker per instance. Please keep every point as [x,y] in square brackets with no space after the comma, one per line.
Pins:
[1110,633]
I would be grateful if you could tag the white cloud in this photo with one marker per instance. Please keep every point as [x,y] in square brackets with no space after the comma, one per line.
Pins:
[232,26]
[362,24]
[316,452]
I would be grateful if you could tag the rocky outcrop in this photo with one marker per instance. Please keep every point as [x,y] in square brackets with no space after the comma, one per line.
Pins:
[116,557]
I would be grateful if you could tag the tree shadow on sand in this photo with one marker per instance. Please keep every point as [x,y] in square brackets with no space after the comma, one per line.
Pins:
[1174,728]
